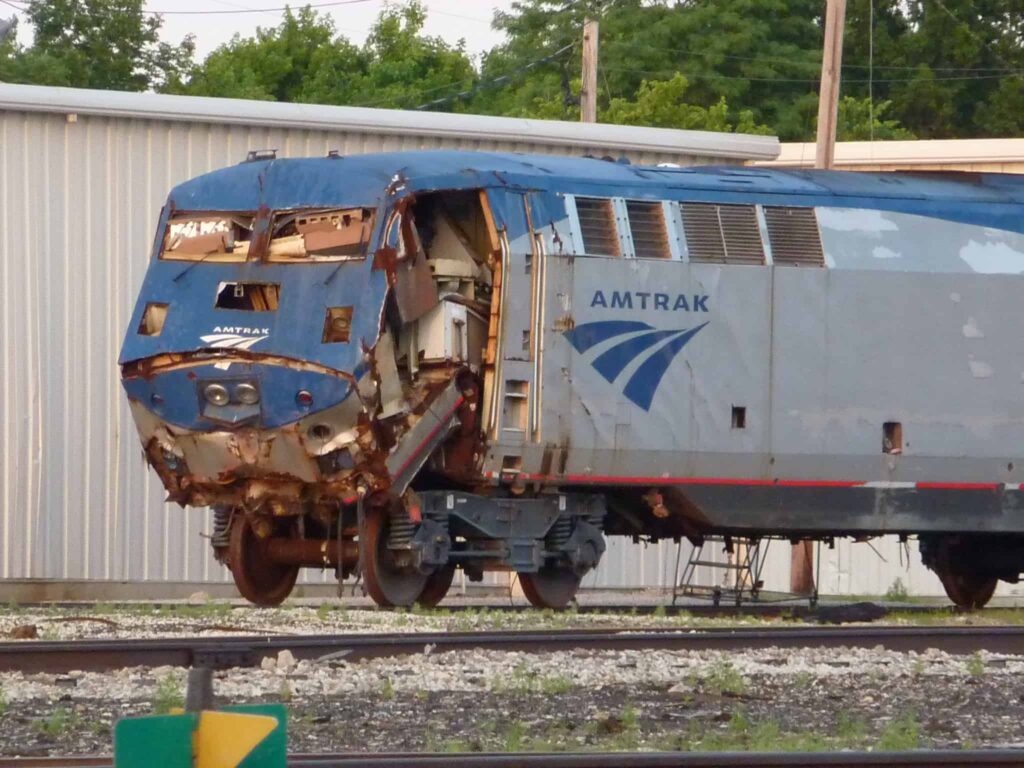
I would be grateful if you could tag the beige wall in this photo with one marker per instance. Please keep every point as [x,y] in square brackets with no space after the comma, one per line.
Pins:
[995,155]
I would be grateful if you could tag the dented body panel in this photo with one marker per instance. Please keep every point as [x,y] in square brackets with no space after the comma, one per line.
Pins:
[732,350]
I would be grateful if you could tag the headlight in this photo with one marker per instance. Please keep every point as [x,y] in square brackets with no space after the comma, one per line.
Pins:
[247,394]
[216,394]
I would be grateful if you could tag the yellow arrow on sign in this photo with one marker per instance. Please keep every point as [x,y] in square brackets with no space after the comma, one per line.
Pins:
[224,739]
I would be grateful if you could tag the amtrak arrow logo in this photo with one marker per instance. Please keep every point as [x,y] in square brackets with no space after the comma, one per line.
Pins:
[657,348]
[230,340]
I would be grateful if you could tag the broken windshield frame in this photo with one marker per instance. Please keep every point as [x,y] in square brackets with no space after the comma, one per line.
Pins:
[207,237]
[325,235]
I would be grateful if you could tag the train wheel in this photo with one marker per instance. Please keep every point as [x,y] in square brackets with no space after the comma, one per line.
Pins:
[388,584]
[550,587]
[259,580]
[968,590]
[438,584]
[965,586]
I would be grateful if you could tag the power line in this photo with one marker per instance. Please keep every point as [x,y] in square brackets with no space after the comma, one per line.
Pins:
[497,81]
[715,76]
[335,3]
[798,63]
[971,32]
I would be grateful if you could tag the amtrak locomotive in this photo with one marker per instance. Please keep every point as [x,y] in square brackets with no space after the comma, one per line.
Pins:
[397,365]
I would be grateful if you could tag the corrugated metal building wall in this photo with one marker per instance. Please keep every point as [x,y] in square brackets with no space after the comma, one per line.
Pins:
[83,175]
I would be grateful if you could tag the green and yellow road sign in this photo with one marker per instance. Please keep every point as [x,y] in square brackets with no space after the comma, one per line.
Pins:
[244,736]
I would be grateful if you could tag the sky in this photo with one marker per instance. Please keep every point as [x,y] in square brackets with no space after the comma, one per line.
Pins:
[450,19]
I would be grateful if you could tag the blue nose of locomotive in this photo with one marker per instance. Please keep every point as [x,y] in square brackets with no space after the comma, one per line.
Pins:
[219,396]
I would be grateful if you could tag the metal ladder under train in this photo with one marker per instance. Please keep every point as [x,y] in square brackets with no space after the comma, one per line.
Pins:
[736,577]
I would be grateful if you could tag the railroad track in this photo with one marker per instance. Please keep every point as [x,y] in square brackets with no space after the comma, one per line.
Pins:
[946,758]
[796,609]
[248,651]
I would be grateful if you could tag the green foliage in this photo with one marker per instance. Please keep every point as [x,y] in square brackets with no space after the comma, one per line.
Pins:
[284,693]
[723,679]
[857,121]
[3,701]
[901,733]
[950,69]
[168,695]
[109,44]
[524,680]
[975,665]
[661,104]
[305,59]
[387,689]
[897,591]
[57,723]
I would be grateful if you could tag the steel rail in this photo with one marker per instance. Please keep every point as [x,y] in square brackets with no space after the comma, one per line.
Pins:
[31,656]
[946,758]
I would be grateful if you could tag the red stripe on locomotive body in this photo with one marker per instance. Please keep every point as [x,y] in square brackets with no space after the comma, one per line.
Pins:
[755,482]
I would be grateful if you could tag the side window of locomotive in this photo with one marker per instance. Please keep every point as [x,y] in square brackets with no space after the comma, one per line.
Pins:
[329,235]
[209,238]
[597,230]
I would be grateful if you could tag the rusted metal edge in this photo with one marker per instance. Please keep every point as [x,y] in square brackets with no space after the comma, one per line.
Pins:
[100,655]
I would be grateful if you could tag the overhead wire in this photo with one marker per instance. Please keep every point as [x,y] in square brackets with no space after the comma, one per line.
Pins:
[499,80]
[816,64]
[717,76]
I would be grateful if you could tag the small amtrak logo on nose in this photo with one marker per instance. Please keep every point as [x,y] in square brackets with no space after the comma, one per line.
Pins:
[657,348]
[230,340]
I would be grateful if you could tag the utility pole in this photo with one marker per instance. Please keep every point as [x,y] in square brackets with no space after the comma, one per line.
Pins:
[801,562]
[588,93]
[828,98]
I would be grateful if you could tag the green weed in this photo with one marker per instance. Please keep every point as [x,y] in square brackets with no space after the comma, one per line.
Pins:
[975,665]
[167,695]
[57,722]
[900,734]
[723,679]
[897,592]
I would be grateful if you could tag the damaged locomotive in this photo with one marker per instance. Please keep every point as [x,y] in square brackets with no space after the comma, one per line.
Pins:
[401,364]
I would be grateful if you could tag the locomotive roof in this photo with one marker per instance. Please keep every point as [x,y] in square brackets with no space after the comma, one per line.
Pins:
[365,179]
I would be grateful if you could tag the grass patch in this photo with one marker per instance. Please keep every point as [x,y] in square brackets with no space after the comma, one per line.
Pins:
[524,680]
[975,665]
[900,734]
[167,696]
[57,722]
[723,679]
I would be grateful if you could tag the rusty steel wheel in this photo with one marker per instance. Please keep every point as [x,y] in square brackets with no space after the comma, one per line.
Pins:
[550,587]
[965,586]
[387,584]
[438,584]
[259,580]
[968,591]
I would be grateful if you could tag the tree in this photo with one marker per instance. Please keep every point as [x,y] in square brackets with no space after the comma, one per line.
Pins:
[661,104]
[305,59]
[278,63]
[107,44]
[857,121]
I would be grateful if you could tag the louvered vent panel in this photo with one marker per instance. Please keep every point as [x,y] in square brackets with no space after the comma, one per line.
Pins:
[703,232]
[647,225]
[742,234]
[794,235]
[597,226]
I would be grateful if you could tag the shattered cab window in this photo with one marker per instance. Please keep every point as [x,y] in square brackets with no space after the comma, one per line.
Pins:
[213,238]
[335,235]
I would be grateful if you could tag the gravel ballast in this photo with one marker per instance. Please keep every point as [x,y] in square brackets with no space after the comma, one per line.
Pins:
[488,700]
